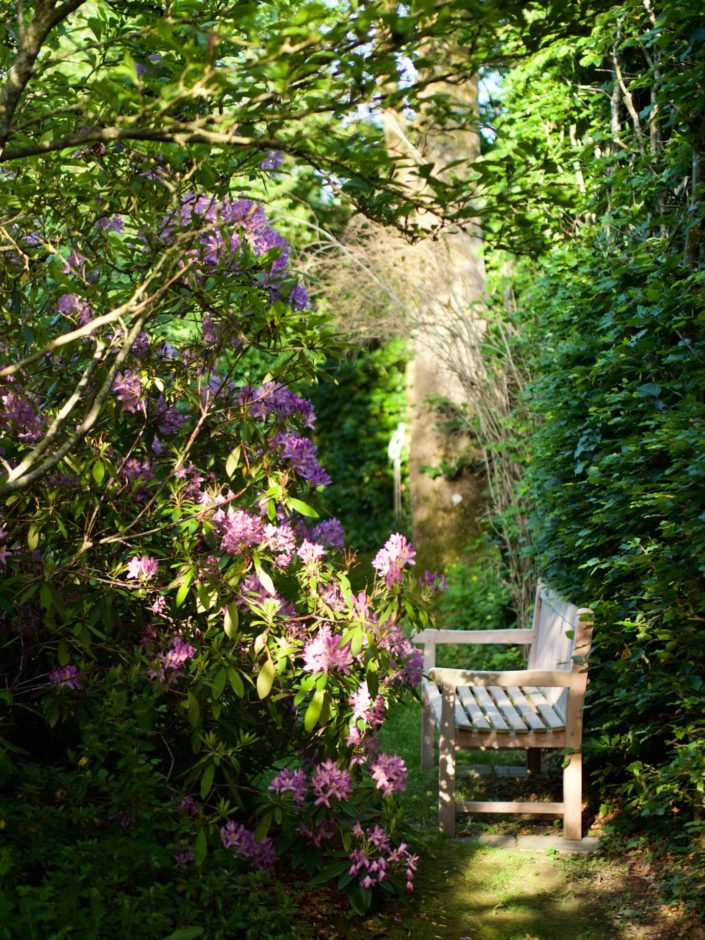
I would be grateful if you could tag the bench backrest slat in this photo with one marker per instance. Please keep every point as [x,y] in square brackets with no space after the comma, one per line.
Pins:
[552,646]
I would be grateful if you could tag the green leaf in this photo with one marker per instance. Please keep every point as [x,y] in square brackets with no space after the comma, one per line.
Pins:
[302,507]
[99,472]
[372,677]
[232,461]
[207,781]
[265,580]
[45,596]
[219,683]
[184,589]
[231,620]
[265,679]
[236,683]
[33,537]
[201,848]
[263,826]
[188,933]
[314,710]
[63,654]
[194,709]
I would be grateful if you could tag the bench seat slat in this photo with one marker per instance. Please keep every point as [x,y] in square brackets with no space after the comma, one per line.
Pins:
[474,712]
[528,712]
[489,707]
[551,717]
[509,712]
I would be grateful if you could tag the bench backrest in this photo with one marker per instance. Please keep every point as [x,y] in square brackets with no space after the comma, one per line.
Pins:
[555,629]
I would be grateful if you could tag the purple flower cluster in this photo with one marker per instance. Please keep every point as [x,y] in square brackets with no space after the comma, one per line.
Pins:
[280,540]
[301,454]
[110,223]
[72,304]
[290,781]
[66,677]
[389,773]
[372,713]
[19,412]
[373,861]
[330,782]
[5,553]
[272,161]
[389,561]
[242,841]
[128,390]
[142,568]
[225,229]
[329,532]
[239,530]
[175,657]
[272,398]
[324,652]
[433,580]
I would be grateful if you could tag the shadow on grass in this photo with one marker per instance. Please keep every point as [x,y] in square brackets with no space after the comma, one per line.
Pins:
[468,892]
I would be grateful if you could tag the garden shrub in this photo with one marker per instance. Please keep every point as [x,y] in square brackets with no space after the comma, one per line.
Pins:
[190,681]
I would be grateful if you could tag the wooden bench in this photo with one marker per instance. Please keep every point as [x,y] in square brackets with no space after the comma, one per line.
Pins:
[533,708]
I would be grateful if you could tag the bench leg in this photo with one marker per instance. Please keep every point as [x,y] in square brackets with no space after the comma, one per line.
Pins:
[573,797]
[428,738]
[446,765]
[533,761]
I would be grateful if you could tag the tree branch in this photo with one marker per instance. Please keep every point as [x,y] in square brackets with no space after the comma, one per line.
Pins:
[45,18]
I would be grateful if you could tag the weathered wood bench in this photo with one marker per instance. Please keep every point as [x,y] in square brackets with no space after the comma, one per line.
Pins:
[533,708]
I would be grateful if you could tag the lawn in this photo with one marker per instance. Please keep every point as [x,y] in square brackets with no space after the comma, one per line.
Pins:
[466,891]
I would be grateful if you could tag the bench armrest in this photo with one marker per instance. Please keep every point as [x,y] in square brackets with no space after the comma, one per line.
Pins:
[451,678]
[520,637]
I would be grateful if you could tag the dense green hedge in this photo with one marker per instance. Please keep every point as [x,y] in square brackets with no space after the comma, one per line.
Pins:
[356,418]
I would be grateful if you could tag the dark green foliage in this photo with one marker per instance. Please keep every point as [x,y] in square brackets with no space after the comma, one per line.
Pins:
[617,462]
[356,419]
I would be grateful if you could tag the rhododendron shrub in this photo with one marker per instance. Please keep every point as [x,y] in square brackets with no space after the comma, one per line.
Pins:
[167,576]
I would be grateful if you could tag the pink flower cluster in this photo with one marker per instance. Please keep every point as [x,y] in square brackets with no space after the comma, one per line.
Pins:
[375,860]
[142,568]
[372,713]
[128,391]
[290,781]
[66,677]
[389,561]
[242,841]
[389,773]
[324,652]
[330,782]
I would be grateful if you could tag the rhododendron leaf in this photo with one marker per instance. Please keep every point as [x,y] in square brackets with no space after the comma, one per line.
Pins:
[321,682]
[219,683]
[372,678]
[334,870]
[236,683]
[263,826]
[302,507]
[99,472]
[189,933]
[200,851]
[260,642]
[63,655]
[207,781]
[231,620]
[264,578]
[45,596]
[194,709]
[232,461]
[183,590]
[313,712]
[33,537]
[265,679]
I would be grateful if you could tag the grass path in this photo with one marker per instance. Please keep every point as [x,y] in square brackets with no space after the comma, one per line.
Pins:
[469,892]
